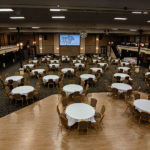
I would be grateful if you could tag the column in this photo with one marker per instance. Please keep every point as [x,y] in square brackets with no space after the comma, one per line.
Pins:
[82,46]
[40,44]
[56,44]
[97,43]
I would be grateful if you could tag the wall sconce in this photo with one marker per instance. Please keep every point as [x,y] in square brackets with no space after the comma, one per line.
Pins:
[57,48]
[142,44]
[20,45]
[34,42]
[96,48]
[81,48]
[97,39]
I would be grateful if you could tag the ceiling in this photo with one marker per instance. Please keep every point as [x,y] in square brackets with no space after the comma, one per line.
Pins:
[92,16]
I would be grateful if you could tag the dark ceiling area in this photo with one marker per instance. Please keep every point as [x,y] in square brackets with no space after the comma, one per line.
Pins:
[90,16]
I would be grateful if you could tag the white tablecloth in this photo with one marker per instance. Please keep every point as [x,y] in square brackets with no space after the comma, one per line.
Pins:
[95,60]
[122,75]
[53,77]
[65,59]
[94,69]
[65,70]
[122,87]
[23,90]
[78,64]
[14,78]
[147,73]
[71,88]
[78,112]
[142,105]
[87,76]
[56,65]
[40,71]
[124,68]
[54,61]
[28,65]
[102,64]
[76,61]
[100,58]
[116,60]
[124,63]
[131,60]
[35,61]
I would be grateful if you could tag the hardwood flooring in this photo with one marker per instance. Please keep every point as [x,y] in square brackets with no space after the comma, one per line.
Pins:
[35,127]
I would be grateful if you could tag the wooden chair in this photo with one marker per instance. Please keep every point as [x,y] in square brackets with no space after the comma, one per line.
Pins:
[115,93]
[136,96]
[83,126]
[30,96]
[93,102]
[148,96]
[18,97]
[50,83]
[64,122]
[77,97]
[144,117]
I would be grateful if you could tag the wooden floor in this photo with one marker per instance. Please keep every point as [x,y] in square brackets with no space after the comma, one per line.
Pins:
[36,128]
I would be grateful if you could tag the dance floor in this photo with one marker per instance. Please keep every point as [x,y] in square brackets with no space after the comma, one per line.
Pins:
[36,127]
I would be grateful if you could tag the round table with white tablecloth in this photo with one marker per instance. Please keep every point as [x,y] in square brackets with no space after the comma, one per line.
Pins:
[35,61]
[115,60]
[102,64]
[142,105]
[124,68]
[95,60]
[65,59]
[40,71]
[22,90]
[14,78]
[76,61]
[54,61]
[78,112]
[78,64]
[56,65]
[94,69]
[122,87]
[55,78]
[65,70]
[87,76]
[71,88]
[122,75]
[147,73]
[124,63]
[28,65]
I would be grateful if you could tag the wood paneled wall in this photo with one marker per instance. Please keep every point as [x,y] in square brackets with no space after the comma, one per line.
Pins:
[90,43]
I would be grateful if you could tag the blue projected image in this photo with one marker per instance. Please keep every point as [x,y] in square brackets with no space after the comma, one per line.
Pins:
[69,40]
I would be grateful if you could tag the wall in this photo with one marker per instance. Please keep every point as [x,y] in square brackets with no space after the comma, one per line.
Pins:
[90,43]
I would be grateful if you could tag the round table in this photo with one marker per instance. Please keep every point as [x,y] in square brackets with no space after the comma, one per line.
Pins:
[94,69]
[122,75]
[115,60]
[78,64]
[124,68]
[95,60]
[53,77]
[142,105]
[56,65]
[78,112]
[22,90]
[87,76]
[122,87]
[76,61]
[102,64]
[100,58]
[40,71]
[65,59]
[125,63]
[65,70]
[35,61]
[14,78]
[28,65]
[71,88]
[147,73]
[54,61]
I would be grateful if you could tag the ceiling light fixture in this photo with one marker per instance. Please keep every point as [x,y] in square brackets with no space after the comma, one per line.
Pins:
[35,27]
[120,18]
[136,12]
[58,17]
[148,21]
[115,29]
[17,17]
[6,10]
[12,28]
[133,30]
[56,10]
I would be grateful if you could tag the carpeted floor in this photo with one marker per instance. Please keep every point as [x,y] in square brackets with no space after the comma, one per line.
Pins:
[6,108]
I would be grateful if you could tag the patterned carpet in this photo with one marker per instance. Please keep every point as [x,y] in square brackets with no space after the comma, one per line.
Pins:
[6,108]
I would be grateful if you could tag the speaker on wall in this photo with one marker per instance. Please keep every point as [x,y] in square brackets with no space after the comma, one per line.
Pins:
[45,36]
[100,36]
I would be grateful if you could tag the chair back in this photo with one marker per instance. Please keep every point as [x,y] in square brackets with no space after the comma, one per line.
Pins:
[64,121]
[93,102]
[102,110]
[137,96]
[83,125]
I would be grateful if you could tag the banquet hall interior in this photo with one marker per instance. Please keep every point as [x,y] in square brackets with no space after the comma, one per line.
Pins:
[74,75]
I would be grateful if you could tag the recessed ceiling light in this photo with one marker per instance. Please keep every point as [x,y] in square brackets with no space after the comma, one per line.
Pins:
[58,17]
[17,17]
[12,28]
[145,12]
[58,9]
[136,12]
[148,21]
[35,27]
[133,30]
[6,10]
[120,18]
